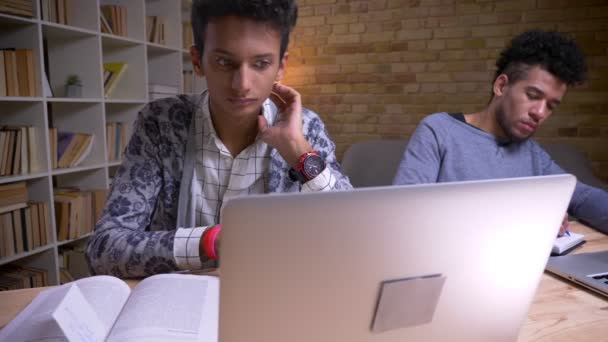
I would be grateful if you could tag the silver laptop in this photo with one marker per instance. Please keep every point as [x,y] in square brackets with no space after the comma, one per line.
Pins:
[438,262]
[586,269]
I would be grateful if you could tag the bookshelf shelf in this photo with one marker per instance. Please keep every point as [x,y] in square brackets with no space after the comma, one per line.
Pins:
[10,259]
[153,47]
[19,178]
[80,238]
[80,48]
[17,20]
[57,172]
[20,99]
[73,100]
[127,101]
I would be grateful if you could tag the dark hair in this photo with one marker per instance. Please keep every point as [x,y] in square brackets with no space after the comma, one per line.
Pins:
[552,51]
[280,14]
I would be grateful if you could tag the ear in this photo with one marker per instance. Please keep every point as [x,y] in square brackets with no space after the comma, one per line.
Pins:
[282,66]
[197,61]
[501,82]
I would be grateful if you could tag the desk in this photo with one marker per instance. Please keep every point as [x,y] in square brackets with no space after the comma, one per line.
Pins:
[560,311]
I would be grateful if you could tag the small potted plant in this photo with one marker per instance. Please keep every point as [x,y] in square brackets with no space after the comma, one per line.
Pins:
[73,86]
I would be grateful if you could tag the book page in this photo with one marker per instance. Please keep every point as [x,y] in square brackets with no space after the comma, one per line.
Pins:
[170,307]
[36,322]
[76,318]
[107,295]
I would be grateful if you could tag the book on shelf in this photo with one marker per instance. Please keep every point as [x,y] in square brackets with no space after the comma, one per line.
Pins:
[155,29]
[187,36]
[77,211]
[69,148]
[2,76]
[116,18]
[13,277]
[22,8]
[13,193]
[159,91]
[18,150]
[56,11]
[117,135]
[73,261]
[104,308]
[25,228]
[113,73]
[17,72]
[105,25]
[193,83]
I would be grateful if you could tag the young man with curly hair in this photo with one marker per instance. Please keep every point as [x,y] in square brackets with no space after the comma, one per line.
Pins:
[532,77]
[246,134]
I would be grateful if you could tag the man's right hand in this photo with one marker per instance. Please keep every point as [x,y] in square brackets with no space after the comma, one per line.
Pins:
[564,228]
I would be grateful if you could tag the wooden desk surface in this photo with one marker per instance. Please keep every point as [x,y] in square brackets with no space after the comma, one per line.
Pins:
[561,311]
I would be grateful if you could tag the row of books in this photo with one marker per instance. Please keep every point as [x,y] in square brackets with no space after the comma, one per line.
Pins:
[114,20]
[193,83]
[155,29]
[160,91]
[12,196]
[23,8]
[25,229]
[118,134]
[113,72]
[13,277]
[18,150]
[56,11]
[69,149]
[187,36]
[17,73]
[77,211]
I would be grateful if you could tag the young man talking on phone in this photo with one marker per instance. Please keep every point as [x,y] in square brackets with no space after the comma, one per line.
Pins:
[246,134]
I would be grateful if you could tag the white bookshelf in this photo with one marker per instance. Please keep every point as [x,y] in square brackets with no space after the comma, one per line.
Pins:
[80,48]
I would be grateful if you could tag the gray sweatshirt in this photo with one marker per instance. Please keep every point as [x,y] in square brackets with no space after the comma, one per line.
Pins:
[445,149]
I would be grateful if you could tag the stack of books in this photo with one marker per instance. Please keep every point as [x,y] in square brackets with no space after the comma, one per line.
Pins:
[155,29]
[77,211]
[56,11]
[13,277]
[117,134]
[23,8]
[69,149]
[17,73]
[18,150]
[114,20]
[113,72]
[160,91]
[24,225]
[187,37]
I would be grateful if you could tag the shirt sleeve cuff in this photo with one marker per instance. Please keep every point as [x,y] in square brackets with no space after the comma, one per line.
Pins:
[323,182]
[186,247]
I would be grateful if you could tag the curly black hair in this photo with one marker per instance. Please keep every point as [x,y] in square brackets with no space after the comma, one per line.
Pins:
[553,51]
[280,14]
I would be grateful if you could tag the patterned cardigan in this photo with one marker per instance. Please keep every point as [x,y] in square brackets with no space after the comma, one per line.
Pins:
[134,236]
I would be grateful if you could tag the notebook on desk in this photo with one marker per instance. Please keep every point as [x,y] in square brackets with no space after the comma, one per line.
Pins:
[436,262]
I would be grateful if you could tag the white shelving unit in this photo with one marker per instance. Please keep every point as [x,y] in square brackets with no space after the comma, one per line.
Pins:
[80,48]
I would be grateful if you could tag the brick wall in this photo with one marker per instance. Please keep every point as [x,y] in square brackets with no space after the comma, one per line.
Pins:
[373,69]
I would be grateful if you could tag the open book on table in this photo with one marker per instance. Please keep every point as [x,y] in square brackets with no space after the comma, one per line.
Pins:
[163,307]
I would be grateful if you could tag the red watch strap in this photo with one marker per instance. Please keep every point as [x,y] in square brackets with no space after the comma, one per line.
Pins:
[209,238]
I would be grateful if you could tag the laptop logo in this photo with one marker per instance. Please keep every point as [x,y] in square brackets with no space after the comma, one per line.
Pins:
[407,302]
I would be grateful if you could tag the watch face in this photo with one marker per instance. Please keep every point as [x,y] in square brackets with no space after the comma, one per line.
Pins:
[313,166]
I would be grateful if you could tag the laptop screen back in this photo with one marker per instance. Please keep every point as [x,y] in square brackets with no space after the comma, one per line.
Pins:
[452,261]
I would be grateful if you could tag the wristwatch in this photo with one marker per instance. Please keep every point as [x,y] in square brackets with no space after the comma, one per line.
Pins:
[309,166]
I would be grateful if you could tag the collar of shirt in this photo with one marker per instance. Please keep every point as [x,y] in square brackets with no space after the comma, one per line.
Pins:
[269,110]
